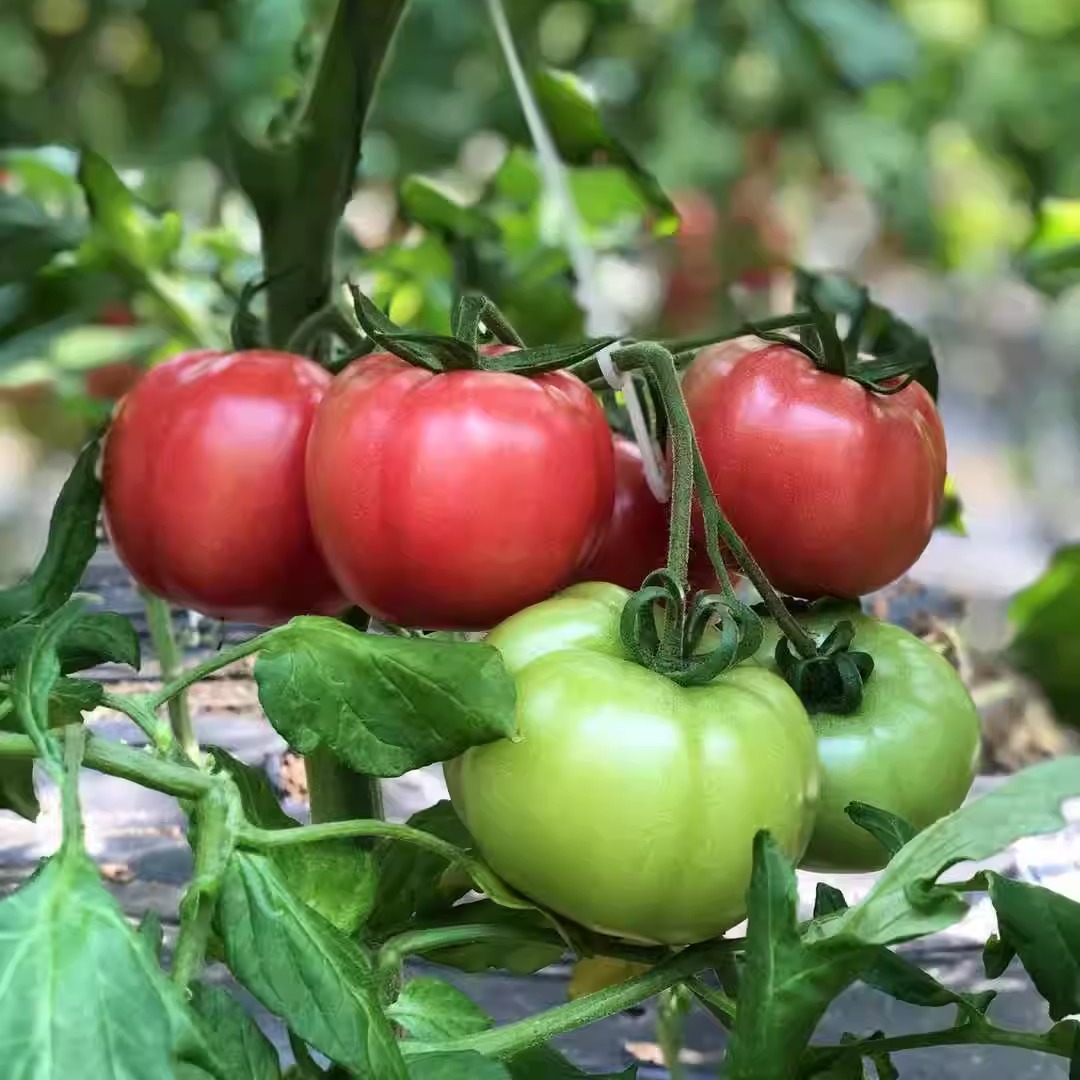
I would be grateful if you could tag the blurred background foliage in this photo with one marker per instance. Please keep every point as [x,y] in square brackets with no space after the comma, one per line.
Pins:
[927,147]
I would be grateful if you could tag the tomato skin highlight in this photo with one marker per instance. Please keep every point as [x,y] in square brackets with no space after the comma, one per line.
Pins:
[203,473]
[451,500]
[912,748]
[834,489]
[626,802]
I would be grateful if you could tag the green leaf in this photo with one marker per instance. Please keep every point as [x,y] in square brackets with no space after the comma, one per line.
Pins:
[425,202]
[544,1063]
[897,976]
[522,957]
[301,967]
[382,705]
[905,901]
[1046,641]
[113,209]
[582,138]
[431,1010]
[71,544]
[1043,929]
[413,882]
[951,516]
[242,1051]
[336,878]
[889,830]
[83,995]
[466,1065]
[97,638]
[17,788]
[29,237]
[787,984]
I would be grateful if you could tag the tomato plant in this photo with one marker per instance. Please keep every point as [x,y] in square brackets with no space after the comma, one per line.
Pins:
[911,748]
[834,488]
[204,485]
[609,753]
[480,492]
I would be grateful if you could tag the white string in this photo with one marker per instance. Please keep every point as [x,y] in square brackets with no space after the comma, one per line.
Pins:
[600,316]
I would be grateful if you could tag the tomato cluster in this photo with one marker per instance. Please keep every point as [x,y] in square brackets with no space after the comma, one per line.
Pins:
[255,486]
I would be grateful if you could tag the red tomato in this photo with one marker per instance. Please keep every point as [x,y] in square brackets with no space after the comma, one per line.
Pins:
[116,314]
[636,538]
[204,485]
[452,500]
[834,489]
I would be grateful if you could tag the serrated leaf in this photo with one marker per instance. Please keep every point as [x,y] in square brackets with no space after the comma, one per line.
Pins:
[787,983]
[83,995]
[71,544]
[426,203]
[336,878]
[113,209]
[890,831]
[430,1010]
[1043,929]
[906,902]
[301,967]
[382,705]
[241,1050]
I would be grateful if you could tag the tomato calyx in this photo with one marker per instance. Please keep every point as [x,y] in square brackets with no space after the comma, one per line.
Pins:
[686,619]
[832,681]
[460,350]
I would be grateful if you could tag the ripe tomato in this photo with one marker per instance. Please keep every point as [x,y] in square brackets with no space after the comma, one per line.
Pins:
[629,803]
[636,539]
[911,749]
[452,500]
[203,477]
[834,489]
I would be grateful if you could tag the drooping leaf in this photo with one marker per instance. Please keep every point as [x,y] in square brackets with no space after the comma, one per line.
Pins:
[336,877]
[83,995]
[906,902]
[889,830]
[464,1065]
[241,1050]
[522,941]
[301,967]
[545,1063]
[426,203]
[412,881]
[430,1010]
[1046,639]
[71,544]
[583,139]
[382,705]
[1043,929]
[787,983]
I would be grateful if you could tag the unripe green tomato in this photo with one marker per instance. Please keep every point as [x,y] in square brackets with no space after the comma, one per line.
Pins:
[912,748]
[626,802]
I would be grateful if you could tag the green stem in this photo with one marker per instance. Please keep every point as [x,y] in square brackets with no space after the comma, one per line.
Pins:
[258,839]
[163,638]
[748,329]
[715,1002]
[511,1039]
[982,1033]
[336,793]
[135,708]
[217,817]
[208,667]
[70,814]
[116,759]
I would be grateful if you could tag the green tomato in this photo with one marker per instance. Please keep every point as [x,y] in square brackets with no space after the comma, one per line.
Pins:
[911,749]
[626,802]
